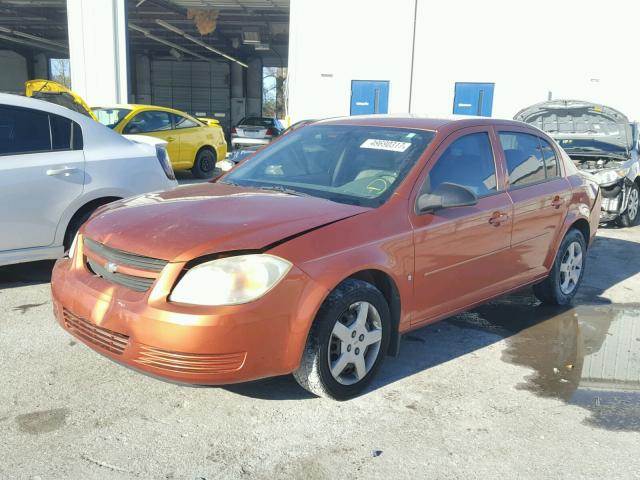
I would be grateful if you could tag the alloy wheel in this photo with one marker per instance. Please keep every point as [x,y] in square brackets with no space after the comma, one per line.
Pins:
[571,268]
[355,343]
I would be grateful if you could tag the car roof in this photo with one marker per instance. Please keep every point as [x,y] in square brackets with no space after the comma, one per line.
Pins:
[453,122]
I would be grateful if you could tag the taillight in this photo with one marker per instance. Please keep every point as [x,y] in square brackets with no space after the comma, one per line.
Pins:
[234,131]
[163,158]
[271,132]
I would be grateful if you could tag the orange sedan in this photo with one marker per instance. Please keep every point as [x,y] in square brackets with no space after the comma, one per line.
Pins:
[318,253]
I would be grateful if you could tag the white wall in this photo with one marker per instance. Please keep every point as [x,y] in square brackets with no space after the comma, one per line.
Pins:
[98,50]
[349,40]
[526,48]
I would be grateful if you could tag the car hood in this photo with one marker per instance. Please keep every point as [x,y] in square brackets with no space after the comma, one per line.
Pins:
[576,119]
[192,221]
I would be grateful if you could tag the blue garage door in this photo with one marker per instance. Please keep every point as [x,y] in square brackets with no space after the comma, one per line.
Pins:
[369,97]
[473,99]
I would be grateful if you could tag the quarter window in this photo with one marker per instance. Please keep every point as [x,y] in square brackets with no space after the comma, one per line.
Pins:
[149,121]
[530,159]
[60,132]
[469,162]
[550,160]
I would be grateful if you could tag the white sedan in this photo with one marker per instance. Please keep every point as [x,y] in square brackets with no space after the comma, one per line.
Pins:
[56,167]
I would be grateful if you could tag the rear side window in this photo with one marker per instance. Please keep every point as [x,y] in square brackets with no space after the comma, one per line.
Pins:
[183,122]
[149,121]
[524,158]
[469,162]
[23,131]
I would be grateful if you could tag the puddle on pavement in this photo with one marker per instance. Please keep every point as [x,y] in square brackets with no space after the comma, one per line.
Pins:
[46,421]
[587,355]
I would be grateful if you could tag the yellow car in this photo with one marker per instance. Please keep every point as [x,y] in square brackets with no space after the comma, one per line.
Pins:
[192,143]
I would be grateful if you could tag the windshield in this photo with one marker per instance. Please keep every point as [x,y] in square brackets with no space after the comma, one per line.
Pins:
[111,117]
[343,163]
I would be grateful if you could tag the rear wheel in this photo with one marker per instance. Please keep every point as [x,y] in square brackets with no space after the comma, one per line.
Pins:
[565,276]
[631,215]
[205,164]
[347,342]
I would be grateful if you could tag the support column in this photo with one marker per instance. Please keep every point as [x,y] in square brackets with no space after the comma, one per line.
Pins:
[238,101]
[254,87]
[98,50]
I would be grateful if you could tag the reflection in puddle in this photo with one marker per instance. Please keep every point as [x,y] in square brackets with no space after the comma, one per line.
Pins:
[588,355]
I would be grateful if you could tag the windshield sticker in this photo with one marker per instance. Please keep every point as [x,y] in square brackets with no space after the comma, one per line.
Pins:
[389,145]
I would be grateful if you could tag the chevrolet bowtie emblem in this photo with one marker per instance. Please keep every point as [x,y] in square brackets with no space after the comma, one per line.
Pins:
[111,267]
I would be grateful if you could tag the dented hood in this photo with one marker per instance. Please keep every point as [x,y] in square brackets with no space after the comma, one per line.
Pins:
[192,221]
[567,119]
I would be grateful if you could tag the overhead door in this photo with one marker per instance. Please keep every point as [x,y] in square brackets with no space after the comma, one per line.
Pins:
[199,88]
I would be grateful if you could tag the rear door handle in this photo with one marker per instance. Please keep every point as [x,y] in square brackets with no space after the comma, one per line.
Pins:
[557,202]
[497,218]
[66,171]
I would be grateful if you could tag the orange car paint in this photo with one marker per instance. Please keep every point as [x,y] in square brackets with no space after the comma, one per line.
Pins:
[434,264]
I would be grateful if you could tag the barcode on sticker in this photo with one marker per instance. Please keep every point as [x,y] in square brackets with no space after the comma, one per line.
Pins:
[389,145]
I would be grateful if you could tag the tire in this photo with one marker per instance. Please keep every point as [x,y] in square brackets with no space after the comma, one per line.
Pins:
[324,346]
[567,271]
[205,164]
[631,215]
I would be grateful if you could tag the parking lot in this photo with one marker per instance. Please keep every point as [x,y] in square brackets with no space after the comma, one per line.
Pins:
[510,390]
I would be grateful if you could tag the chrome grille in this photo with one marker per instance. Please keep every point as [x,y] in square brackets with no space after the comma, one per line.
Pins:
[104,338]
[99,256]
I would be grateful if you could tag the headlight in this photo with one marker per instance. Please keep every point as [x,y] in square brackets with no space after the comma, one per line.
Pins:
[72,248]
[225,165]
[230,281]
[606,177]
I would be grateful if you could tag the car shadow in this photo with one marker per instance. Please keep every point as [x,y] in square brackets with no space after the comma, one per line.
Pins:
[22,274]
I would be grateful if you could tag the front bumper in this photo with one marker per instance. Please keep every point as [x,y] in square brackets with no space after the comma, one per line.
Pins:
[186,344]
[614,200]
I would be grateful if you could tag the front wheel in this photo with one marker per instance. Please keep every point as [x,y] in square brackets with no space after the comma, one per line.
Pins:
[205,164]
[347,342]
[565,276]
[630,217]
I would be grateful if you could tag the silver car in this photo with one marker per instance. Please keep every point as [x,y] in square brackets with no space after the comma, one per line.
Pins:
[255,131]
[601,141]
[57,167]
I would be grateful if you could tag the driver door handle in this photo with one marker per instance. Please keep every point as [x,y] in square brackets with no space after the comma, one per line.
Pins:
[66,171]
[557,202]
[497,218]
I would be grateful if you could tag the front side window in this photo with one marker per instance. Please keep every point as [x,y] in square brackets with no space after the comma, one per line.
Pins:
[468,162]
[183,122]
[525,159]
[149,121]
[343,163]
[23,131]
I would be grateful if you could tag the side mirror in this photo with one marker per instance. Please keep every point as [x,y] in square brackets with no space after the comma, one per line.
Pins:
[446,195]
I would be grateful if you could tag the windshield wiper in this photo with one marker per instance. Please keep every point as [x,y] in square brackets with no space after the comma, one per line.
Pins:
[283,189]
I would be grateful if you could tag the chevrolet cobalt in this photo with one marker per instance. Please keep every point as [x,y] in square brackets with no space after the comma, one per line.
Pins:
[319,252]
